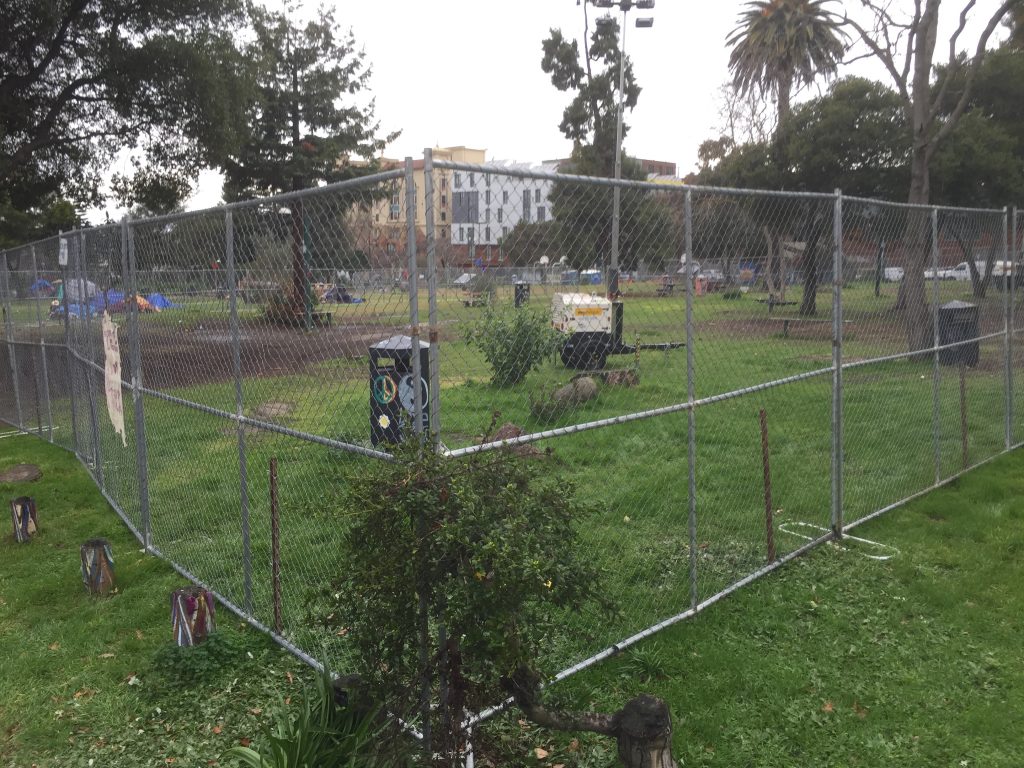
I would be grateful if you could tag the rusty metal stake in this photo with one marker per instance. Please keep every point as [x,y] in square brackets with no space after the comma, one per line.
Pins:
[769,522]
[963,416]
[275,547]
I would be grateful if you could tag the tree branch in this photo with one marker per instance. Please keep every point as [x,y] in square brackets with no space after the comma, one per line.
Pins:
[951,70]
[57,44]
[524,687]
[972,71]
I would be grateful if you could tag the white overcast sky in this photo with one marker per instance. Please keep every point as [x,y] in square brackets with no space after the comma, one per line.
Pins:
[467,72]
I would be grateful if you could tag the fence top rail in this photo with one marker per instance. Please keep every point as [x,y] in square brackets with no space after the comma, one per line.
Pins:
[919,206]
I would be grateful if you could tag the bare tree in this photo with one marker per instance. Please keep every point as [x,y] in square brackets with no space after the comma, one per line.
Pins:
[745,118]
[906,47]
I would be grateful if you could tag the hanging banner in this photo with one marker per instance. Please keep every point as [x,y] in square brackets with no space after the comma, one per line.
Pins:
[112,377]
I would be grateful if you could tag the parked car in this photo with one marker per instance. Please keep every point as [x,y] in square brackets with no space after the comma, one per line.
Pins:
[893,274]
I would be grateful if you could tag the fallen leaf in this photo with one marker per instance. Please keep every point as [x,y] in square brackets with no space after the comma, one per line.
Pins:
[170,760]
[138,634]
[54,646]
[288,700]
[217,729]
[523,724]
[540,752]
[558,765]
[827,707]
[255,711]
[106,656]
[84,693]
[861,711]
[245,742]
[574,745]
[290,677]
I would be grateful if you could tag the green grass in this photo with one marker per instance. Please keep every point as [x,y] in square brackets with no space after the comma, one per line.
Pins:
[833,660]
[96,681]
[838,660]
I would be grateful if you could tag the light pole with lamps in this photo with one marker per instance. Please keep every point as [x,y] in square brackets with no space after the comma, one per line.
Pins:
[625,6]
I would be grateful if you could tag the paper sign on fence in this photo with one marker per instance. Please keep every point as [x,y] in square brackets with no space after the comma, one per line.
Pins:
[112,376]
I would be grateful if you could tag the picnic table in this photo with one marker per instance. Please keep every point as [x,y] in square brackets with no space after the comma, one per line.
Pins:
[773,302]
[666,289]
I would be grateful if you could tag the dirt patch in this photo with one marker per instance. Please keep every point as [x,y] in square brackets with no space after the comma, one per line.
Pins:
[21,473]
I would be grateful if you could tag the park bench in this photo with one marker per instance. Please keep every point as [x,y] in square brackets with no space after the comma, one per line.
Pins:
[474,299]
[666,289]
[773,302]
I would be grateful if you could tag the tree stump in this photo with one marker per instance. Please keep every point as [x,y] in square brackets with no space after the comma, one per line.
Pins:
[98,566]
[21,473]
[23,517]
[192,615]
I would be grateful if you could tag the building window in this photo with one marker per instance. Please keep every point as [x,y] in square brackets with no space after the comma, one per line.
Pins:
[504,231]
[487,179]
[444,216]
[472,181]
[444,200]
[487,214]
[487,197]
[444,182]
[461,234]
[504,196]
[458,180]
[541,213]
[487,234]
[501,215]
[444,231]
[536,195]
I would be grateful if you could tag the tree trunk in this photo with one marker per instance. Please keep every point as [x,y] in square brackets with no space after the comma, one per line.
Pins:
[97,566]
[642,728]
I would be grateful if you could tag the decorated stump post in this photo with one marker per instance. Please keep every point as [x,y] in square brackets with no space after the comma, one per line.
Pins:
[98,566]
[23,516]
[192,615]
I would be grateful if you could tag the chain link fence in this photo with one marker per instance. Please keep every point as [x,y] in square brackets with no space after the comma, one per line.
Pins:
[771,370]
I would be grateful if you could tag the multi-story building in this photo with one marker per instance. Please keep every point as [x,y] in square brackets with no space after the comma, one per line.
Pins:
[487,206]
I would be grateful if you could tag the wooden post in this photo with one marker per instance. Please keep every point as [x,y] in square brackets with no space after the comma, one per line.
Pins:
[965,459]
[275,547]
[97,566]
[24,519]
[192,615]
[769,522]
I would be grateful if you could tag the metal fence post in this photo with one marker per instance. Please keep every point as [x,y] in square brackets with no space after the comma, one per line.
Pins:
[691,417]
[936,419]
[63,246]
[414,304]
[94,424]
[236,361]
[42,350]
[9,335]
[1011,289]
[1006,338]
[837,365]
[129,270]
[434,387]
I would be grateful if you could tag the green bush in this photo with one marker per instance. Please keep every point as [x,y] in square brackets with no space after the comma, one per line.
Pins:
[485,547]
[732,293]
[513,341]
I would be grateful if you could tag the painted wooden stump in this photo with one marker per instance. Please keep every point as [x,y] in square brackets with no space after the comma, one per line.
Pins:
[98,566]
[24,519]
[192,615]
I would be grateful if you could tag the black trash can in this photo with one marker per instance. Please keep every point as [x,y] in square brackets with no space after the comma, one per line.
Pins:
[958,321]
[522,294]
[392,391]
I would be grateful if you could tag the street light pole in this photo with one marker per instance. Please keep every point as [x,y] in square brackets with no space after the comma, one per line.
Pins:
[625,6]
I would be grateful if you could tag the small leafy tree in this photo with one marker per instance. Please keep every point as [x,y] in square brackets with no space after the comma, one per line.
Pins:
[514,342]
[476,561]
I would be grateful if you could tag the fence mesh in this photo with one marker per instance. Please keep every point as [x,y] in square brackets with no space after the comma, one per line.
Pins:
[771,369]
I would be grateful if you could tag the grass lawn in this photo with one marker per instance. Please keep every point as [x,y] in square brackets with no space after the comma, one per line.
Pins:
[839,660]
[834,660]
[96,682]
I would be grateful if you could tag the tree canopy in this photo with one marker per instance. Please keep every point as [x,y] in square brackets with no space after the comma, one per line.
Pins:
[82,79]
[305,125]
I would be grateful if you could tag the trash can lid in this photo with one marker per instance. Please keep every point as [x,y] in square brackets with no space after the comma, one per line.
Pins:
[956,304]
[398,342]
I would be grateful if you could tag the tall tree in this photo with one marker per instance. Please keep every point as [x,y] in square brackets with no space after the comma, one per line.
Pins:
[82,79]
[782,44]
[306,126]
[906,48]
[584,213]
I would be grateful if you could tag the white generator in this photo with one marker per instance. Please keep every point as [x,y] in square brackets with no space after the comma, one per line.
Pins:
[592,326]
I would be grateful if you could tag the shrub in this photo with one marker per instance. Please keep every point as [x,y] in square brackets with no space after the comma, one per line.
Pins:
[514,342]
[486,548]
[732,293]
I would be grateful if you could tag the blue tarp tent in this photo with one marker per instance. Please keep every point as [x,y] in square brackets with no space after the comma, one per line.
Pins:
[160,301]
[41,288]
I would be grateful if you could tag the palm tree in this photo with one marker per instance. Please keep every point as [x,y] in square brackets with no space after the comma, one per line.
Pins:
[779,44]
